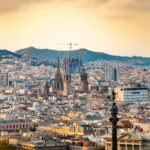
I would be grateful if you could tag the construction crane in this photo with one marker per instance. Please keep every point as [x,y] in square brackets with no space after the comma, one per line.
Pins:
[70,45]
[67,59]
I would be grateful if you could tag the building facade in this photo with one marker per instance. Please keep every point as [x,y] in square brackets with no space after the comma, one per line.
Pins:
[129,142]
[132,94]
[15,124]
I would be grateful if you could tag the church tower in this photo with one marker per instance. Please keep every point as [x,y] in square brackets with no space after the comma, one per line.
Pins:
[83,81]
[46,90]
[67,79]
[58,81]
[83,75]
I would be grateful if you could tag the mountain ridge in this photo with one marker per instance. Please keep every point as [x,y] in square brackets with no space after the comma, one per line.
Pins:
[88,55]
[5,53]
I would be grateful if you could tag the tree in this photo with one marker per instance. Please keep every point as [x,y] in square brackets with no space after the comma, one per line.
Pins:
[32,128]
[4,145]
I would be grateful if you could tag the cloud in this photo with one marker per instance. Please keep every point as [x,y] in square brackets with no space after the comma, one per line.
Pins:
[14,5]
[139,5]
[119,6]
[117,9]
[127,9]
[132,5]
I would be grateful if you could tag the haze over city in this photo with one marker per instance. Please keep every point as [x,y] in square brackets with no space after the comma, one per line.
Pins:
[119,27]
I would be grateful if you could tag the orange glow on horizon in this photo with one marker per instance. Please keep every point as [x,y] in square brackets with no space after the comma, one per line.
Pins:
[99,25]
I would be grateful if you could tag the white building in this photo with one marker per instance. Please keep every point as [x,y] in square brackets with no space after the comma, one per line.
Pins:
[37,106]
[137,94]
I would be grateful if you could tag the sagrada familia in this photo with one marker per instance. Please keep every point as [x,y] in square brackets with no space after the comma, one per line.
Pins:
[62,82]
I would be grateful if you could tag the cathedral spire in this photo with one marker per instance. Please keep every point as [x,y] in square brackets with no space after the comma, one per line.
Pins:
[58,66]
[58,81]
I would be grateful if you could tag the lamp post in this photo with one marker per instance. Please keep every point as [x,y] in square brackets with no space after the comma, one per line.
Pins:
[114,120]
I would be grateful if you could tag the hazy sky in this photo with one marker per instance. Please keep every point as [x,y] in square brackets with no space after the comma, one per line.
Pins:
[120,27]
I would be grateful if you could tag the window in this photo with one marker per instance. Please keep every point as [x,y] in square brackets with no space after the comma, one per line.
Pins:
[129,147]
[136,147]
[122,147]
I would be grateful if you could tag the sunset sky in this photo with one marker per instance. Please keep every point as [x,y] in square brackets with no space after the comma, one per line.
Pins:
[119,27]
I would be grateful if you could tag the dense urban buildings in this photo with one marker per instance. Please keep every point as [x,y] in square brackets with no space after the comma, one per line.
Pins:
[60,108]
[4,80]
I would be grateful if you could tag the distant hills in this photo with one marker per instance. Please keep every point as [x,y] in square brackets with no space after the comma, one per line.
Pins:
[6,53]
[88,55]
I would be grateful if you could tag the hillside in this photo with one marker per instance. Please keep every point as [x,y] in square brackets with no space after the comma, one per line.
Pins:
[48,54]
[7,53]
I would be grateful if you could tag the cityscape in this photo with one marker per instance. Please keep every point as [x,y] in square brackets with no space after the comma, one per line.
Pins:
[91,93]
[67,105]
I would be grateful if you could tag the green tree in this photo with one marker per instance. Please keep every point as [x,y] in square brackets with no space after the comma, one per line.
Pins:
[32,128]
[4,145]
